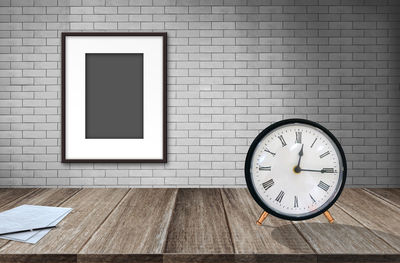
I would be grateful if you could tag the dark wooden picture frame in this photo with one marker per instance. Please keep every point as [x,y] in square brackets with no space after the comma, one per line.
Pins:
[64,35]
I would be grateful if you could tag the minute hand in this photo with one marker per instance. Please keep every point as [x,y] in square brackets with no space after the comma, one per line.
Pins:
[310,170]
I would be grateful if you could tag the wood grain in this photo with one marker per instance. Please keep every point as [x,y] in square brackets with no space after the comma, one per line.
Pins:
[199,258]
[138,225]
[90,209]
[392,195]
[371,258]
[239,258]
[38,258]
[199,224]
[8,195]
[275,236]
[204,225]
[47,197]
[381,217]
[42,196]
[344,236]
[120,258]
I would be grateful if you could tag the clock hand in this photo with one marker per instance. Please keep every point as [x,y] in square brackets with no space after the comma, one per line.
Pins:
[297,169]
[323,170]
[301,155]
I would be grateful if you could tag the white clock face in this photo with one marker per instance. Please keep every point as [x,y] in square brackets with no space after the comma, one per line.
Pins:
[296,170]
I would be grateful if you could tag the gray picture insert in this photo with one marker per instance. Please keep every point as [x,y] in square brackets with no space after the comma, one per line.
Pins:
[114,95]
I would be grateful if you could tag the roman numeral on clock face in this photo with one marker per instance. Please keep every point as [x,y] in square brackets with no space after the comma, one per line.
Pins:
[265,168]
[282,140]
[268,151]
[323,186]
[298,137]
[324,154]
[268,184]
[280,196]
[296,201]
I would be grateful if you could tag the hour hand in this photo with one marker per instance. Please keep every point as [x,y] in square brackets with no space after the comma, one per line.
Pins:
[301,151]
[300,154]
[297,168]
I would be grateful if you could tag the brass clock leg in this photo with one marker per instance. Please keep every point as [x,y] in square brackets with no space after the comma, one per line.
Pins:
[328,216]
[262,218]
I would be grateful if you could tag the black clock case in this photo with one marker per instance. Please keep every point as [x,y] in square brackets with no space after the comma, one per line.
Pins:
[250,155]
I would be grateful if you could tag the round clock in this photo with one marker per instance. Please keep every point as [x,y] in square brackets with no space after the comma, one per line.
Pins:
[295,169]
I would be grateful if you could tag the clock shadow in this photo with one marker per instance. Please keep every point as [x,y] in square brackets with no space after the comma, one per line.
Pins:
[345,238]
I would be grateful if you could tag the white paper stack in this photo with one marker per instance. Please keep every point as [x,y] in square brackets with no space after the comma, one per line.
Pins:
[29,217]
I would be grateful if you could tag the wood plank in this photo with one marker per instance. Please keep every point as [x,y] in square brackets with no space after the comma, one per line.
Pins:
[139,225]
[204,225]
[381,217]
[8,195]
[90,208]
[199,225]
[345,236]
[392,195]
[239,258]
[120,258]
[42,196]
[199,258]
[371,258]
[47,197]
[39,258]
[274,237]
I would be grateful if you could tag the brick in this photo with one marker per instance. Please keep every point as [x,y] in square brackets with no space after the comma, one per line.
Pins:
[233,69]
[58,181]
[34,181]
[93,173]
[152,10]
[177,181]
[105,181]
[69,173]
[100,10]
[128,181]
[223,181]
[81,10]
[199,181]
[152,181]
[81,181]
[117,173]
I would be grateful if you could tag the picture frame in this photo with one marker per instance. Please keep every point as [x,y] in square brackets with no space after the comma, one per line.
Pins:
[114,97]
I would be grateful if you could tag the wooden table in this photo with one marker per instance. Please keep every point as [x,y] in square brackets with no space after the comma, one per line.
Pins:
[204,225]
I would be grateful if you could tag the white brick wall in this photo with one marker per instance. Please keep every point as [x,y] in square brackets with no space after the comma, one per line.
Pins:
[235,66]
